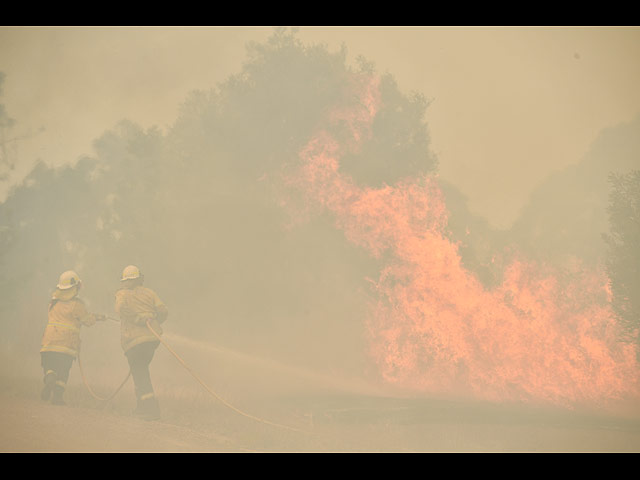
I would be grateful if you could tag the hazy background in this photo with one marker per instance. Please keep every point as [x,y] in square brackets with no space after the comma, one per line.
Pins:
[522,125]
[509,105]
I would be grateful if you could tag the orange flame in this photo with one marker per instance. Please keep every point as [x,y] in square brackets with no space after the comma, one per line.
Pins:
[543,335]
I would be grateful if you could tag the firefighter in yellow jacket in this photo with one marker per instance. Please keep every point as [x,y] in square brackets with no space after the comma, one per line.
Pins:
[61,339]
[136,305]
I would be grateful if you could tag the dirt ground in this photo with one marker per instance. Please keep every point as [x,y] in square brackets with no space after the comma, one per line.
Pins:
[277,408]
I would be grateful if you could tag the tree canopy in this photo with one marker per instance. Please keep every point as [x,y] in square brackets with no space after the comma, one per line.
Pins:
[196,208]
[623,259]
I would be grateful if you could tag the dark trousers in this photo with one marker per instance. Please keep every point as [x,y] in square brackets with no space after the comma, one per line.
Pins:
[58,362]
[139,358]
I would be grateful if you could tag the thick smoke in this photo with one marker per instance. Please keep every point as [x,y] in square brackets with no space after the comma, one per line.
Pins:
[293,212]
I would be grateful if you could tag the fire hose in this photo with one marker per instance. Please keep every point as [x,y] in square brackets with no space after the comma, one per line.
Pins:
[108,399]
[214,394]
[93,394]
[190,370]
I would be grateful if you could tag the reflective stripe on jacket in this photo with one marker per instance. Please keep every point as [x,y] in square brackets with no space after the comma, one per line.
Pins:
[62,333]
[135,306]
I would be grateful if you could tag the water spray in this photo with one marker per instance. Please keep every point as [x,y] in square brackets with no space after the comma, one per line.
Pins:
[190,370]
[214,394]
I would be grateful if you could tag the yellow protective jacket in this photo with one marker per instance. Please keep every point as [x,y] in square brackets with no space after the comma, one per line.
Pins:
[135,306]
[67,313]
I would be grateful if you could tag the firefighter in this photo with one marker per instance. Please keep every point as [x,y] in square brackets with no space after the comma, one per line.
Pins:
[61,338]
[136,304]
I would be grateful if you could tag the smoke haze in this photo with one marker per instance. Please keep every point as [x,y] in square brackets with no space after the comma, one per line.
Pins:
[423,220]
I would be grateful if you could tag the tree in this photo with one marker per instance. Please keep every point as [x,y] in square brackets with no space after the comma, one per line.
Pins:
[197,208]
[567,212]
[623,241]
[6,123]
[8,143]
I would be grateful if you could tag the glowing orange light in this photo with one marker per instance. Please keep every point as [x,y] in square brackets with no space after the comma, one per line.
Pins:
[542,335]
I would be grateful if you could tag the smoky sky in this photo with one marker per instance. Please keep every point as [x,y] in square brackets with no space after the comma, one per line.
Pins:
[508,105]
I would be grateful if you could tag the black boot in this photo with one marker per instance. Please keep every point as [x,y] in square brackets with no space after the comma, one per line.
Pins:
[49,384]
[148,407]
[58,392]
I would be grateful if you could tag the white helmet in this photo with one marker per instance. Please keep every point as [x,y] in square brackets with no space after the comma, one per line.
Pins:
[130,272]
[68,279]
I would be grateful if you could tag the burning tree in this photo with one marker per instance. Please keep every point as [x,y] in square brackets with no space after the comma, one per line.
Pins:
[361,260]
[543,334]
[198,206]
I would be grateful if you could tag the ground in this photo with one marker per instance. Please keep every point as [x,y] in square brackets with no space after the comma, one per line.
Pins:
[273,408]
